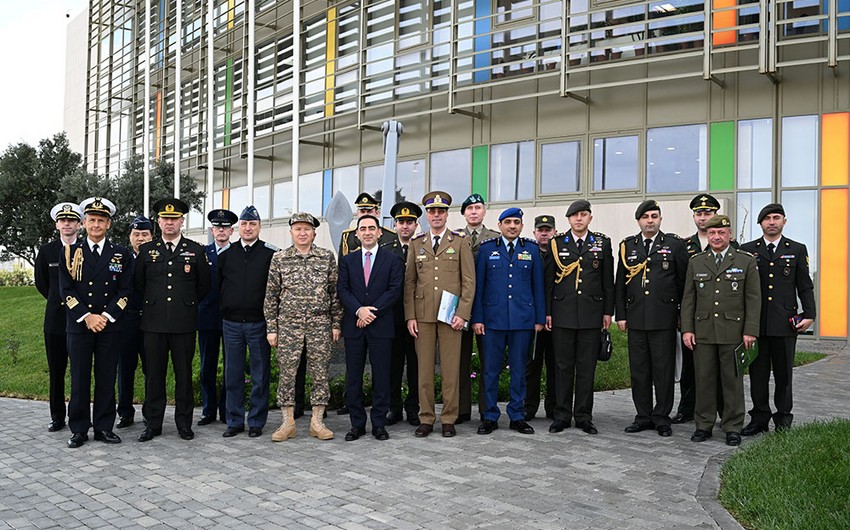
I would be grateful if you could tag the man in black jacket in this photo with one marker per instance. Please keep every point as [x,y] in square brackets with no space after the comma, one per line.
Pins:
[67,216]
[243,271]
[784,273]
[172,274]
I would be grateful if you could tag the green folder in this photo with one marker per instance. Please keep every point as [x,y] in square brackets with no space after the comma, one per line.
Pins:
[745,357]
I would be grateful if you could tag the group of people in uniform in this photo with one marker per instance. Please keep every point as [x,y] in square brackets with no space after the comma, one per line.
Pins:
[415,303]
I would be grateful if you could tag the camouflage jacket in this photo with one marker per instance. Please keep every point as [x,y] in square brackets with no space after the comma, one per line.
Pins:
[301,288]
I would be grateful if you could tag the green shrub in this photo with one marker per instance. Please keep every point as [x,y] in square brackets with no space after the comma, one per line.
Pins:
[17,277]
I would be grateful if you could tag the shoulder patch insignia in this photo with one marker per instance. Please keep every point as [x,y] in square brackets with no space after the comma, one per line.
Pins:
[122,303]
[71,302]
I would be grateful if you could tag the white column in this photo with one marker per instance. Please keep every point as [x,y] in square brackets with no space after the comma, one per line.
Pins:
[210,105]
[146,126]
[178,93]
[296,98]
[249,94]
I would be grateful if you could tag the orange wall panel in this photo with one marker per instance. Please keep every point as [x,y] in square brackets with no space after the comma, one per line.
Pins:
[834,261]
[725,19]
[835,149]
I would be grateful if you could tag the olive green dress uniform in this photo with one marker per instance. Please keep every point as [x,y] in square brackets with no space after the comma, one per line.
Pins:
[720,305]
[465,403]
[451,268]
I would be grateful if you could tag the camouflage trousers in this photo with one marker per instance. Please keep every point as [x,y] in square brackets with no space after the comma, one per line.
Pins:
[291,340]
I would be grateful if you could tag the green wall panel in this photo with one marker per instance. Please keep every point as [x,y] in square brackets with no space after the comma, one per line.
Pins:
[722,156]
[480,170]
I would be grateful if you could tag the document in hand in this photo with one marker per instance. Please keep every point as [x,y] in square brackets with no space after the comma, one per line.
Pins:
[745,357]
[448,307]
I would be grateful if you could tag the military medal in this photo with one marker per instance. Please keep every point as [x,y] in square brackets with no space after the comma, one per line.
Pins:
[596,264]
[187,268]
[786,271]
[734,286]
[665,265]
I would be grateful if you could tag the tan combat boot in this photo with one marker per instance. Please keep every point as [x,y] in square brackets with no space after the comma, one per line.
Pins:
[287,428]
[317,425]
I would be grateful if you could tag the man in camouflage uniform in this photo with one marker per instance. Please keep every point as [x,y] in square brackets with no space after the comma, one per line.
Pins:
[302,308]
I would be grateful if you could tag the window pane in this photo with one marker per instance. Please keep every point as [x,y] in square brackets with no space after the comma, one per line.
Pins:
[238,199]
[310,193]
[801,210]
[451,171]
[615,163]
[282,206]
[410,181]
[799,151]
[512,171]
[413,22]
[261,201]
[676,159]
[345,180]
[560,167]
[755,153]
[749,205]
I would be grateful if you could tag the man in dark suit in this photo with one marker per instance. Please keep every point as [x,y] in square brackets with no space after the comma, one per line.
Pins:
[369,285]
[132,339]
[580,303]
[648,290]
[172,274]
[406,215]
[507,311]
[243,271]
[542,351]
[67,216]
[783,266]
[95,281]
[209,320]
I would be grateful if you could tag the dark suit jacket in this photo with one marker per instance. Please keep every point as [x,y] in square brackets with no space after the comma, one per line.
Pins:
[209,317]
[50,257]
[384,289]
[105,286]
[783,279]
[171,284]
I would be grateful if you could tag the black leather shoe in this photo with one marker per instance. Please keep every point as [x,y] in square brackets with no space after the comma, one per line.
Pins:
[487,427]
[355,433]
[413,419]
[124,421]
[393,417]
[529,416]
[254,432]
[753,428]
[423,430]
[587,426]
[205,420]
[342,411]
[733,439]
[107,436]
[149,434]
[186,433]
[448,430]
[54,426]
[638,427]
[700,435]
[77,440]
[558,426]
[230,432]
[380,433]
[664,431]
[682,418]
[461,418]
[521,427]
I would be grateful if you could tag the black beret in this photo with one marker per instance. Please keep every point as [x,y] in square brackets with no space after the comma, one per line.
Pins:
[580,205]
[769,209]
[646,206]
[704,202]
[475,198]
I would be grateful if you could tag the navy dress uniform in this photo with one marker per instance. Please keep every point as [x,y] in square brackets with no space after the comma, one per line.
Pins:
[209,329]
[46,274]
[648,291]
[171,276]
[784,277]
[542,351]
[509,302]
[579,283]
[95,281]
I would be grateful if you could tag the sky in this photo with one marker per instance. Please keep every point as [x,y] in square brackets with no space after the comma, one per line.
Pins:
[32,54]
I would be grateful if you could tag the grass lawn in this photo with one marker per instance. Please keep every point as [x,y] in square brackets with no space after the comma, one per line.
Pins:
[789,480]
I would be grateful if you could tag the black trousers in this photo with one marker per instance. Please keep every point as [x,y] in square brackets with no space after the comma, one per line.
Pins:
[652,364]
[543,353]
[465,390]
[575,369]
[102,350]
[404,354]
[182,348]
[209,347]
[132,349]
[380,354]
[776,353]
[301,382]
[56,347]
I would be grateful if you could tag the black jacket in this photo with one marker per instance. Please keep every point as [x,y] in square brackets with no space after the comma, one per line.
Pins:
[242,278]
[47,282]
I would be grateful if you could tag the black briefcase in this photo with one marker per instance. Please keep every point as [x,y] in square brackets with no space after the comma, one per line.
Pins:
[605,346]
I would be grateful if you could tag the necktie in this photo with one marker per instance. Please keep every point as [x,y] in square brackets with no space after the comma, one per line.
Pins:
[247,248]
[96,252]
[770,248]
[474,237]
[367,267]
[718,259]
[170,246]
[579,244]
[404,252]
[647,244]
[511,249]
[436,243]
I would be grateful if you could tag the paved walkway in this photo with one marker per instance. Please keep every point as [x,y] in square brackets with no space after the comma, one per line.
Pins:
[569,480]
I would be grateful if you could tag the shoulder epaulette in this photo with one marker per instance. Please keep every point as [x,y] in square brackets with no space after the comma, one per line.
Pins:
[742,251]
[348,230]
[392,243]
[671,234]
[460,233]
[488,240]
[600,234]
[272,247]
[529,240]
[696,254]
[417,236]
[390,230]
